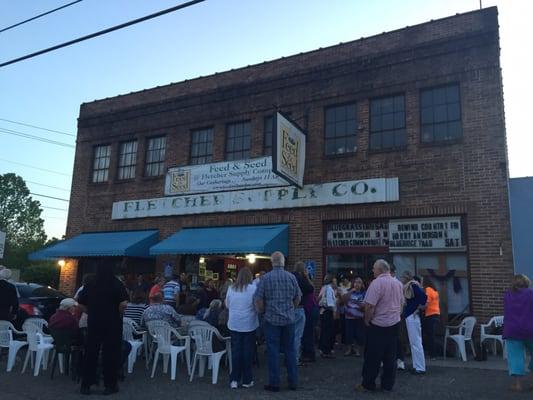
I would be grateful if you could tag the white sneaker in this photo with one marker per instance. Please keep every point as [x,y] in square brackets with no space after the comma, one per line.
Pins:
[400,364]
[248,385]
[233,385]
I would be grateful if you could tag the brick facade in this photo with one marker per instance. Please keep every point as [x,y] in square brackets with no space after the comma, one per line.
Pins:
[466,177]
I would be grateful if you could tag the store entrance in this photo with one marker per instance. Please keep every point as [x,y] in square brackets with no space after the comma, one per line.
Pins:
[352,266]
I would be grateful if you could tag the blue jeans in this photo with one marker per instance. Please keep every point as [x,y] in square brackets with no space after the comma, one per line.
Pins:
[516,356]
[242,351]
[299,325]
[277,337]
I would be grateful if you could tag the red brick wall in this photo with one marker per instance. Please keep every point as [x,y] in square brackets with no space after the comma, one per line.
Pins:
[468,177]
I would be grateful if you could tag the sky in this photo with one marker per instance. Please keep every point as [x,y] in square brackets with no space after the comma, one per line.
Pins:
[209,37]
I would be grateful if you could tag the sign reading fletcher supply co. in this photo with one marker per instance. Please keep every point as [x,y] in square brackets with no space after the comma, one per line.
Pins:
[348,192]
[288,150]
[426,234]
[221,176]
[357,234]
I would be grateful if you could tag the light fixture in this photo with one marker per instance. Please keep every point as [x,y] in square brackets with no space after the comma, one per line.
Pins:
[61,263]
[251,258]
[202,260]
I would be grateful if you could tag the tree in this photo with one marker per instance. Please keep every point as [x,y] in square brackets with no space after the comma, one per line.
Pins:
[20,218]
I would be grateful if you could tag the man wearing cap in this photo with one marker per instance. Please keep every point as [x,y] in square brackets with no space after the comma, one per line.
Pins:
[9,303]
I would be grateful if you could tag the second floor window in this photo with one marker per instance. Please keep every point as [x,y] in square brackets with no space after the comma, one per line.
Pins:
[202,146]
[102,157]
[387,123]
[440,114]
[268,130]
[238,140]
[127,160]
[340,129]
[155,156]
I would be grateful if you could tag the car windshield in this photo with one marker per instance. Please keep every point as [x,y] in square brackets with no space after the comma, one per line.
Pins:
[34,290]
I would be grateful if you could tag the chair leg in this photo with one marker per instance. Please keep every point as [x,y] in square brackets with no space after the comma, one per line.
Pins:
[472,347]
[54,363]
[216,358]
[61,359]
[12,356]
[28,356]
[445,342]
[202,366]
[173,363]
[193,367]
[131,360]
[45,359]
[156,357]
[462,349]
[165,363]
[188,359]
[39,359]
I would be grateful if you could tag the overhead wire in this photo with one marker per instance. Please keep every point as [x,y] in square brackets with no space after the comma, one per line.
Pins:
[54,208]
[102,32]
[36,127]
[48,186]
[39,16]
[49,197]
[33,137]
[34,167]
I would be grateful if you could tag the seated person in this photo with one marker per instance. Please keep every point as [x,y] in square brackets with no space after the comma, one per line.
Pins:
[64,318]
[157,311]
[189,307]
[135,309]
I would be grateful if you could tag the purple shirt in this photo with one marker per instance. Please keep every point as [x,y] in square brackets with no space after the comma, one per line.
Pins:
[385,293]
[518,314]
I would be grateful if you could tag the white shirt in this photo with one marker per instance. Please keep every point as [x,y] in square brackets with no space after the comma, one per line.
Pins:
[242,314]
[329,297]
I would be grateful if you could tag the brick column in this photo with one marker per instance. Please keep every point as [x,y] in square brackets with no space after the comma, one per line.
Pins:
[67,277]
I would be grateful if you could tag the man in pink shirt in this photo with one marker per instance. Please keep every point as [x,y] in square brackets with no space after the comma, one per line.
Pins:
[383,305]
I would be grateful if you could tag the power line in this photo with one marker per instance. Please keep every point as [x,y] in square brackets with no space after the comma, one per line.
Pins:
[48,186]
[33,137]
[50,197]
[39,16]
[103,32]
[49,217]
[54,208]
[31,166]
[36,127]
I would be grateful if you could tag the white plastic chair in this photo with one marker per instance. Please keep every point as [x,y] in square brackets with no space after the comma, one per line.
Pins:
[464,335]
[496,322]
[37,345]
[128,334]
[7,341]
[162,332]
[39,324]
[202,335]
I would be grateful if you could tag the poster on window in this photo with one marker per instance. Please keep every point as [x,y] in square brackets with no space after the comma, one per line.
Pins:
[426,234]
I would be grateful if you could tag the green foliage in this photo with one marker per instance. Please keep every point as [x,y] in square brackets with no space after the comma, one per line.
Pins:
[20,218]
[44,273]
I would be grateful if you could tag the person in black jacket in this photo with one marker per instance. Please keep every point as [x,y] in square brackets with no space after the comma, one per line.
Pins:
[307,289]
[9,303]
[105,298]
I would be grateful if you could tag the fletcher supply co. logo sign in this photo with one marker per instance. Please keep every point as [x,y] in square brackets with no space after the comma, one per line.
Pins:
[288,159]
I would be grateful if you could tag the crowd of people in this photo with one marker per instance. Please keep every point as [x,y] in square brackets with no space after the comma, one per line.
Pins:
[282,309]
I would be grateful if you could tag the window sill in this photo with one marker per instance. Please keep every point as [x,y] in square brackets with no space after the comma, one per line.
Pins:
[388,150]
[120,181]
[342,155]
[442,143]
[152,178]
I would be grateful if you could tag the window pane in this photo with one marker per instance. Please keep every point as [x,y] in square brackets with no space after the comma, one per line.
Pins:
[399,103]
[387,140]
[427,115]
[350,144]
[400,138]
[452,94]
[330,115]
[340,128]
[399,120]
[375,122]
[454,112]
[440,113]
[351,112]
[455,129]
[387,121]
[330,146]
[387,105]
[375,107]
[440,132]
[426,98]
[351,127]
[375,141]
[427,133]
[439,96]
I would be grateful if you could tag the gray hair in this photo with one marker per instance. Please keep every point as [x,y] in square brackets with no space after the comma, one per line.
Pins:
[278,259]
[383,265]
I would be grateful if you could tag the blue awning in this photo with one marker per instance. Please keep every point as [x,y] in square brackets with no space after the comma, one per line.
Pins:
[256,239]
[101,244]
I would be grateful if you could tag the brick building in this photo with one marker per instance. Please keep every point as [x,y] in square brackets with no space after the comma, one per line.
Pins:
[420,106]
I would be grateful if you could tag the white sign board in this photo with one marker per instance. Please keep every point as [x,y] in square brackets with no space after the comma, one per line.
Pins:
[221,176]
[357,234]
[2,243]
[288,150]
[348,192]
[426,234]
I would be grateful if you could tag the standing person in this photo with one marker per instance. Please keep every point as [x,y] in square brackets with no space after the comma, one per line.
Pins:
[518,329]
[211,291]
[431,317]
[400,354]
[311,318]
[157,287]
[383,306]
[184,287]
[171,292]
[344,287]
[277,296]
[327,302]
[355,325]
[299,314]
[242,324]
[9,302]
[415,299]
[105,298]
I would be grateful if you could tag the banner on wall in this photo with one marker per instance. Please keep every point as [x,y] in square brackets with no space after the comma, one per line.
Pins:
[426,234]
[288,150]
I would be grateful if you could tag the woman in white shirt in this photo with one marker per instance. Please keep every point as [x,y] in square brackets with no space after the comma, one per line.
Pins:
[327,303]
[242,324]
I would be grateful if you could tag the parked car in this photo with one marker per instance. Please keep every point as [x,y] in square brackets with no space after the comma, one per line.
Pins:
[36,301]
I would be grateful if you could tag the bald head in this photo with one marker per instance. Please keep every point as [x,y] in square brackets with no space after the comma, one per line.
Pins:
[380,266]
[278,259]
